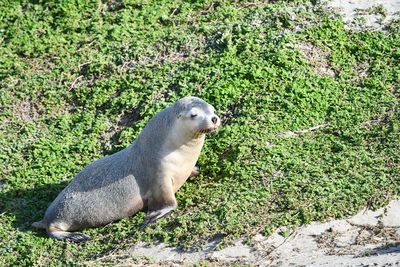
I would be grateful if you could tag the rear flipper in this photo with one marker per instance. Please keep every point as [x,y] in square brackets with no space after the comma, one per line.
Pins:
[59,234]
[75,237]
[39,225]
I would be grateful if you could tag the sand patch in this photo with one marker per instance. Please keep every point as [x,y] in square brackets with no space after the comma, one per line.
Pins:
[362,14]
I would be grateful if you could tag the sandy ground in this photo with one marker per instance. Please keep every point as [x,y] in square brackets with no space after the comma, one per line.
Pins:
[360,14]
[370,238]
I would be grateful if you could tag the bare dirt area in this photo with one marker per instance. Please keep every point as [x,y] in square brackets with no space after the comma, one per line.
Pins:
[318,58]
[370,238]
[361,14]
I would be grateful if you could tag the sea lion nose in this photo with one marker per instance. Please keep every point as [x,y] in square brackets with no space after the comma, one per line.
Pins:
[214,119]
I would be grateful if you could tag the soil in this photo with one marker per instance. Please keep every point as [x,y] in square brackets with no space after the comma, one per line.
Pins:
[370,15]
[370,238]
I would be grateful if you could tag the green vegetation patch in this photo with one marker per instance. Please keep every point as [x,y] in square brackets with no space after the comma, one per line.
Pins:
[310,114]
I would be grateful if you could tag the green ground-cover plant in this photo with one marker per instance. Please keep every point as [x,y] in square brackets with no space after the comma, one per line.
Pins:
[79,79]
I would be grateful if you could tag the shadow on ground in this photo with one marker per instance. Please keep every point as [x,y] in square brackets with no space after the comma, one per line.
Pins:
[382,250]
[28,205]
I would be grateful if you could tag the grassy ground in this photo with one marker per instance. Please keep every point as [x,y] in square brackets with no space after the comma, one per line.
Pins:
[310,111]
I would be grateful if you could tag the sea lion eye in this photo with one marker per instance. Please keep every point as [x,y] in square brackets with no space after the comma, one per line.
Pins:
[193,115]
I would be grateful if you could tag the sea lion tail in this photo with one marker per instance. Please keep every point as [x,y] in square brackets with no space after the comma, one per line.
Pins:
[39,225]
[75,237]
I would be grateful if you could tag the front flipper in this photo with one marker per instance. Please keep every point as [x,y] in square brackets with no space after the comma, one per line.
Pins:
[195,171]
[161,202]
[157,214]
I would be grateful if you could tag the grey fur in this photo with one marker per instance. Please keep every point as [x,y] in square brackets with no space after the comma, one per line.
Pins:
[126,182]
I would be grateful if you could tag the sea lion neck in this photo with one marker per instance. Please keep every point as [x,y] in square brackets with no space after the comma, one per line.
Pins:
[178,137]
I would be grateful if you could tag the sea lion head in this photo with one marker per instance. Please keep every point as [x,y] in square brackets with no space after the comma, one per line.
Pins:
[196,115]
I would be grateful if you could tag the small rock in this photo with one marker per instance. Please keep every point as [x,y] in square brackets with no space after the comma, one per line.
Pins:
[366,217]
[287,134]
[269,145]
[341,227]
[391,217]
[237,252]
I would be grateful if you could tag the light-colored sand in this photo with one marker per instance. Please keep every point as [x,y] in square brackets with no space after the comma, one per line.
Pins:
[357,16]
[370,238]
[366,239]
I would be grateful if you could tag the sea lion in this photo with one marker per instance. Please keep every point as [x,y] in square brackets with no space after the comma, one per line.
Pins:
[143,176]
